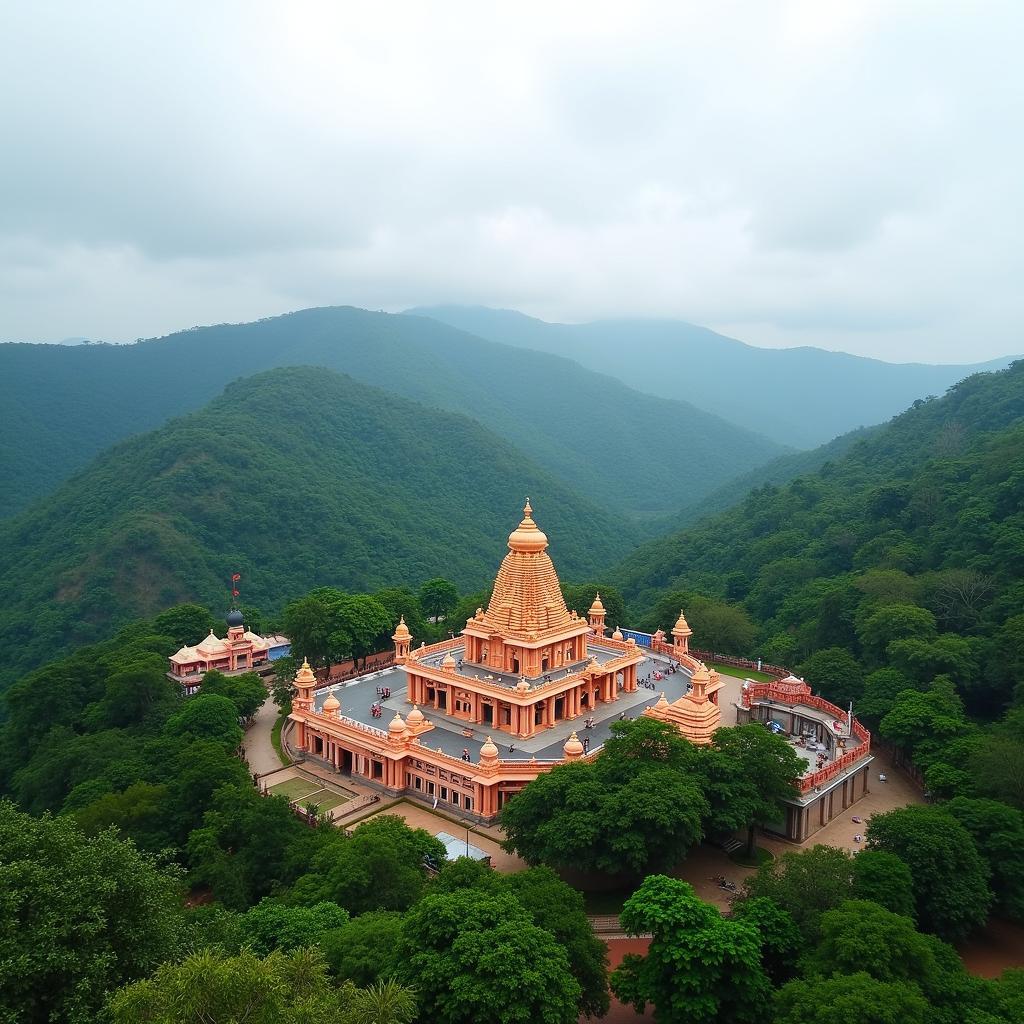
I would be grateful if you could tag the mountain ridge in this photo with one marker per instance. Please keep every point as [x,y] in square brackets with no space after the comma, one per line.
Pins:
[802,396]
[296,477]
[61,405]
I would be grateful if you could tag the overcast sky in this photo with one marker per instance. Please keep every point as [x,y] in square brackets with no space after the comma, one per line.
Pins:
[811,173]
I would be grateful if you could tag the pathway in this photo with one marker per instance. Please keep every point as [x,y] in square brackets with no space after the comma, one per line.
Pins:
[259,751]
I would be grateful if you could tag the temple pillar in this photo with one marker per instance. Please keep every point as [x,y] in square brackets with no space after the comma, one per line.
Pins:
[549,711]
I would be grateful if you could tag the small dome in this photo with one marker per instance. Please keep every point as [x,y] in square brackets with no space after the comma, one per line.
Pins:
[522,686]
[449,662]
[234,618]
[527,536]
[700,674]
[305,677]
[572,746]
[397,726]
[662,701]
[415,716]
[488,752]
[617,635]
[212,645]
[401,630]
[331,704]
[596,606]
[682,626]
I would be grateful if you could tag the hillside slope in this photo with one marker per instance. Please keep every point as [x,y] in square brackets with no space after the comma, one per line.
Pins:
[59,405]
[801,397]
[296,478]
[927,511]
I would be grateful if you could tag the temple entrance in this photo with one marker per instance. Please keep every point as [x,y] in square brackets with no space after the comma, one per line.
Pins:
[515,666]
[318,746]
[584,700]
[488,714]
[378,770]
[559,708]
[544,664]
[346,761]
[442,700]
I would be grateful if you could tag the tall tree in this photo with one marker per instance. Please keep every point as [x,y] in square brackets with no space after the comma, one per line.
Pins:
[851,997]
[477,956]
[438,597]
[751,772]
[699,968]
[282,988]
[631,809]
[950,877]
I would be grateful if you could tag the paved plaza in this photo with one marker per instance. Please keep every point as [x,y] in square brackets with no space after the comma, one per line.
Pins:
[359,695]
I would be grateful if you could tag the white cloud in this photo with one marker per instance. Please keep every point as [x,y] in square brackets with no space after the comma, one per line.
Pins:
[842,174]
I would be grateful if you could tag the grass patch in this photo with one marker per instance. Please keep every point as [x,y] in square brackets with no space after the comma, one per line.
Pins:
[761,856]
[606,901]
[275,739]
[327,801]
[295,789]
[741,673]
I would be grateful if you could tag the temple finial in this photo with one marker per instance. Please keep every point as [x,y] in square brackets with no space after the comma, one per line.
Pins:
[527,511]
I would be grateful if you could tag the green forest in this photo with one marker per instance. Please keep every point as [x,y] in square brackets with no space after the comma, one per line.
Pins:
[295,478]
[61,406]
[145,878]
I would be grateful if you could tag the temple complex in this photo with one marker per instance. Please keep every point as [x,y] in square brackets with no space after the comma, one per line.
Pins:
[528,684]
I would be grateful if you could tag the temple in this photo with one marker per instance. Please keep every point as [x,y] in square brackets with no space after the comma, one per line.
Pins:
[240,651]
[528,684]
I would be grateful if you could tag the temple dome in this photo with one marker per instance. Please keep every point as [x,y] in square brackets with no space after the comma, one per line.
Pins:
[448,665]
[617,635]
[488,752]
[573,747]
[401,630]
[331,704]
[415,716]
[527,536]
[212,645]
[397,726]
[305,676]
[596,607]
[234,618]
[682,626]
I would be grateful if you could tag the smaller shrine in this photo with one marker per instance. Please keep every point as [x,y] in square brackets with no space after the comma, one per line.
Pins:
[240,651]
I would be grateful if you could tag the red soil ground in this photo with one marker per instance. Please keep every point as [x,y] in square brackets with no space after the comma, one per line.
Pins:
[994,950]
[617,949]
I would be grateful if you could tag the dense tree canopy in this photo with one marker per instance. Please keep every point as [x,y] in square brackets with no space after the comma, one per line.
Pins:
[509,970]
[950,877]
[700,966]
[78,917]
[632,808]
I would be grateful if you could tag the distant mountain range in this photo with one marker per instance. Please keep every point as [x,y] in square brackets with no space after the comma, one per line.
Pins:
[295,478]
[801,397]
[939,487]
[631,452]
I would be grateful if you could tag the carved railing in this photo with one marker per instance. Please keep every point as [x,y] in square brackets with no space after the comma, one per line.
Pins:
[441,645]
[747,663]
[800,696]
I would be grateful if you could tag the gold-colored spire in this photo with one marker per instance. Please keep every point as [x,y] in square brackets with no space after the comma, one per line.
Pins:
[527,537]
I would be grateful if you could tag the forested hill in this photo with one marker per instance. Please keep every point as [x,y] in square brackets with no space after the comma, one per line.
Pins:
[927,512]
[797,396]
[60,406]
[295,478]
